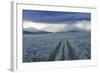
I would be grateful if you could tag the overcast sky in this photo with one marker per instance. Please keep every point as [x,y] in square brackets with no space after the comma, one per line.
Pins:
[54,16]
[55,21]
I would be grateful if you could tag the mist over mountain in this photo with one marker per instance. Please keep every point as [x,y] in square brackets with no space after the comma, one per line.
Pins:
[47,28]
[33,31]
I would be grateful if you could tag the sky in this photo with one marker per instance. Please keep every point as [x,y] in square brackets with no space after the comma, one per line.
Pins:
[53,21]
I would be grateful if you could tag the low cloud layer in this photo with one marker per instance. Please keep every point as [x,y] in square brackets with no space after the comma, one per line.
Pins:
[77,26]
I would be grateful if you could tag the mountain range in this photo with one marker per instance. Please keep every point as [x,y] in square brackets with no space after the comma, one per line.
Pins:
[32,30]
[52,29]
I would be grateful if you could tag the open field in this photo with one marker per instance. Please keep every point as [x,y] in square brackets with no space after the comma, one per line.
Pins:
[56,46]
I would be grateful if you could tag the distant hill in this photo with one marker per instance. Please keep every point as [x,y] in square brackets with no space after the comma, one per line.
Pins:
[33,31]
[28,32]
[64,29]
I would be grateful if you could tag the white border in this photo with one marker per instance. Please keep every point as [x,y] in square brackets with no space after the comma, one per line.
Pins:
[17,37]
